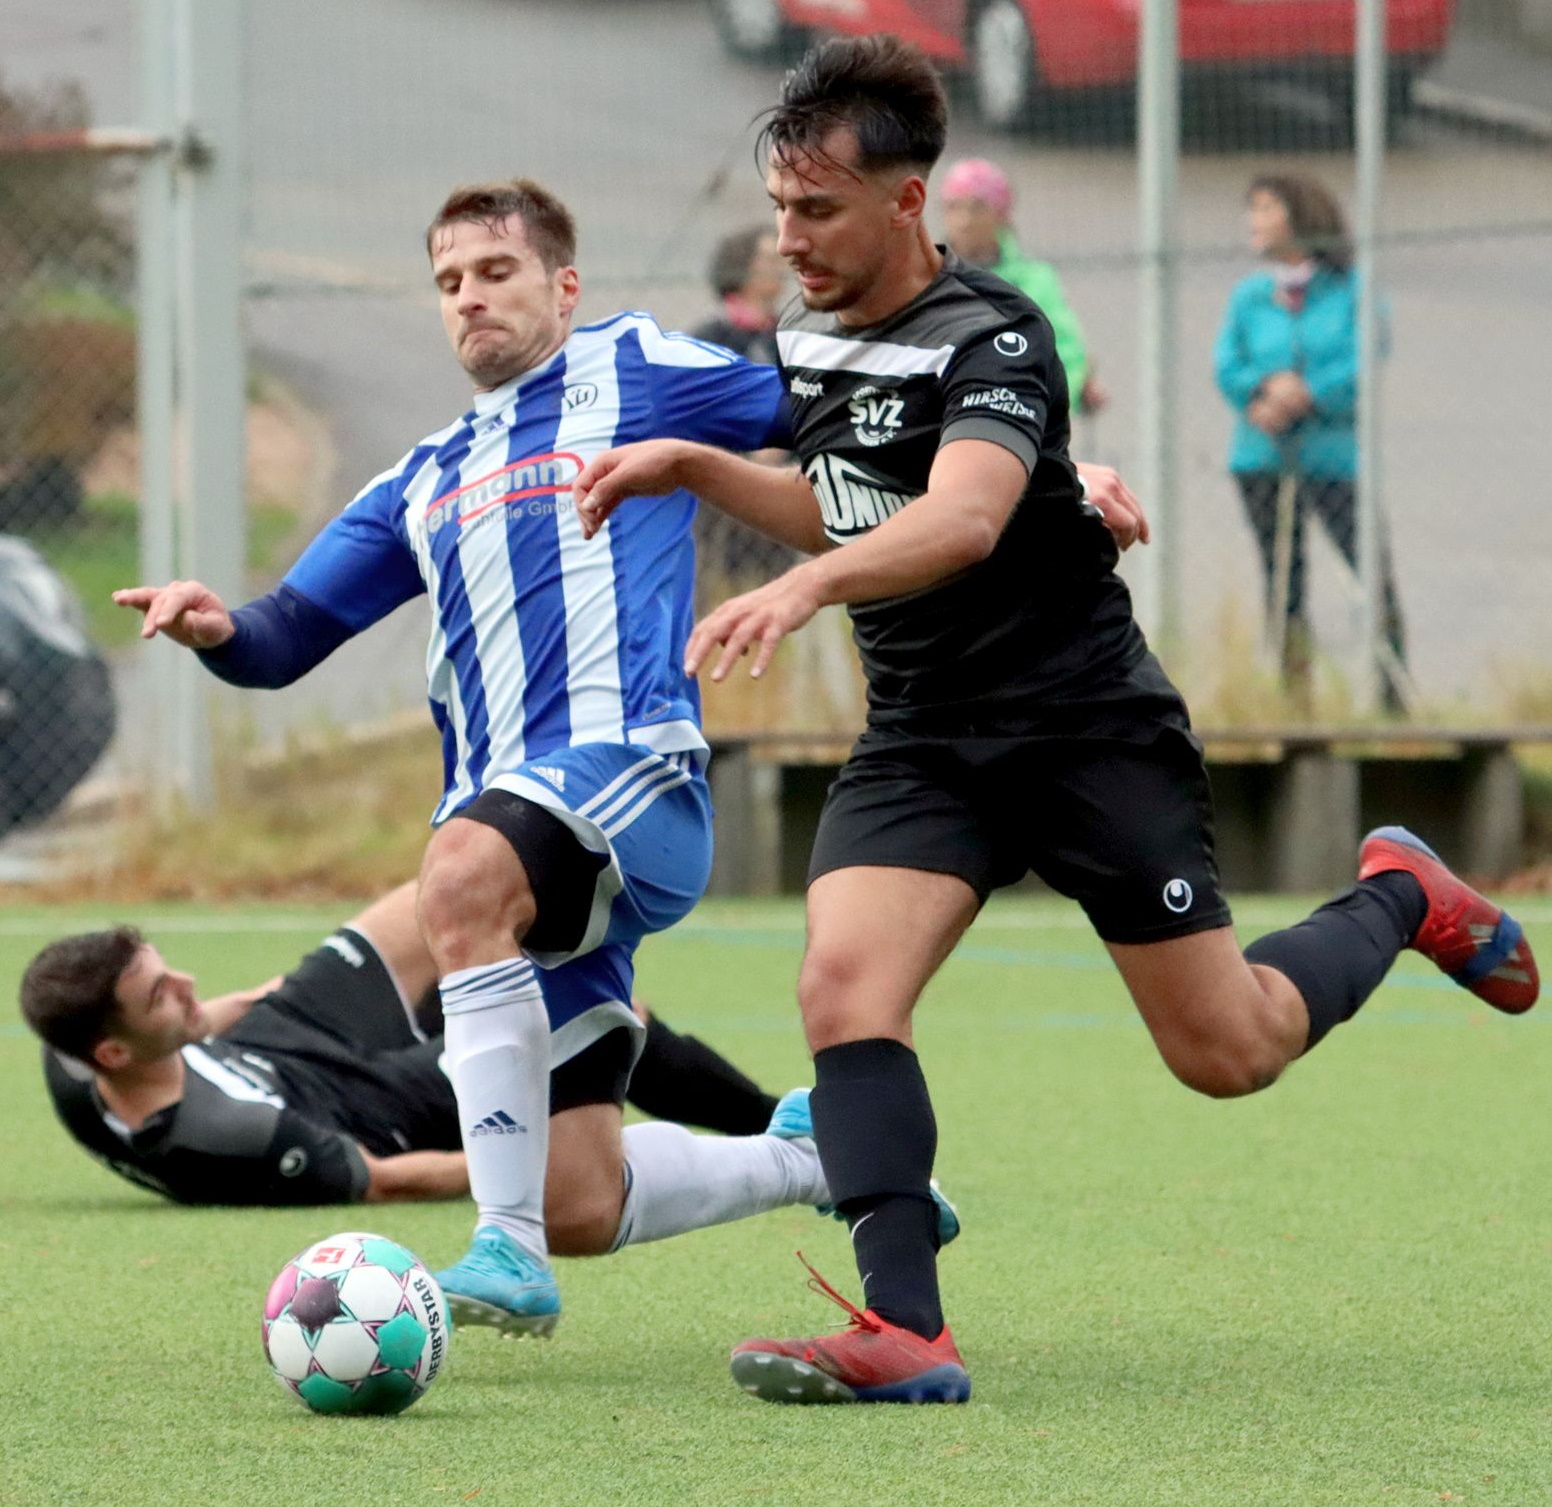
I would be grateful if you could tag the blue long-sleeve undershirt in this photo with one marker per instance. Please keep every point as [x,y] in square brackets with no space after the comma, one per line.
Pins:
[278,639]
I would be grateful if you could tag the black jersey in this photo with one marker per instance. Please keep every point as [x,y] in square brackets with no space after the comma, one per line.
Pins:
[275,1110]
[1044,618]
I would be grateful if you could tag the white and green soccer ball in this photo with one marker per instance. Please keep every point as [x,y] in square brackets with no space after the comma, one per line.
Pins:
[355,1324]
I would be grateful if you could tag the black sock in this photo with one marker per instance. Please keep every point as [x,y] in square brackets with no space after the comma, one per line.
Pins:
[1338,956]
[874,1126]
[680,1078]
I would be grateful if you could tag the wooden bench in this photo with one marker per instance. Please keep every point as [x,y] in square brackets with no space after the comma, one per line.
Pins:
[1292,802]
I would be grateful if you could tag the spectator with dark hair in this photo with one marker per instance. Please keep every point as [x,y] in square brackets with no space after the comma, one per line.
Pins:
[749,278]
[1287,361]
[978,221]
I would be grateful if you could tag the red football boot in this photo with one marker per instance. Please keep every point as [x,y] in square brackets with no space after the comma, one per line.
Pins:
[870,1360]
[1478,945]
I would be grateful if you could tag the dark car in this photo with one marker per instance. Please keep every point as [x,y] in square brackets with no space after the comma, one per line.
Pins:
[56,696]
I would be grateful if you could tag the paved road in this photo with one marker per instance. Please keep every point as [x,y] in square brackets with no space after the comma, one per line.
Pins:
[365,111]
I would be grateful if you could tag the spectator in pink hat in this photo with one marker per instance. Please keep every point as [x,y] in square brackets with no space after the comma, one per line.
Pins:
[978,217]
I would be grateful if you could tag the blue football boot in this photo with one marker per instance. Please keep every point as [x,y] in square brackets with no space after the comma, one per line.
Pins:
[499,1285]
[792,1120]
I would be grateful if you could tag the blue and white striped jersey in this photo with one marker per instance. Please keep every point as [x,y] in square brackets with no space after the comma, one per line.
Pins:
[542,640]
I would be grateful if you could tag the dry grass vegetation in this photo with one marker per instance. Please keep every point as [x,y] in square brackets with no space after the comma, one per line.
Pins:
[334,817]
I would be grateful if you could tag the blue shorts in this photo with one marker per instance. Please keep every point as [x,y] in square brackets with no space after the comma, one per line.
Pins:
[650,813]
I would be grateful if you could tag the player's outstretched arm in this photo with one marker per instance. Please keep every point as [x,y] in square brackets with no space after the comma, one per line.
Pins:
[775,501]
[415,1175]
[1113,499]
[187,612]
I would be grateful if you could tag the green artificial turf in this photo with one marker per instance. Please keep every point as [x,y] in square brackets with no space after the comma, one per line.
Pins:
[1333,1293]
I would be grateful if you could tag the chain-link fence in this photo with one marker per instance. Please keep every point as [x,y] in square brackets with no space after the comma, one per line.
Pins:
[655,155]
[361,115]
[68,525]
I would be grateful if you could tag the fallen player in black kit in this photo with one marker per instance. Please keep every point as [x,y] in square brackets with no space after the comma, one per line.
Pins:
[320,1087]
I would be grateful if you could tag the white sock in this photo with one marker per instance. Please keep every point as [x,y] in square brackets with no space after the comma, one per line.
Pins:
[679,1181]
[497,1040]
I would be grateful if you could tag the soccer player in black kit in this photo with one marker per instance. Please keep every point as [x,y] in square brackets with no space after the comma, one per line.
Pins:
[1016,718]
[320,1087]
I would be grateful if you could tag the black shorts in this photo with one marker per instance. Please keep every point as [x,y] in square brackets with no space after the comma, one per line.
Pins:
[598,1074]
[1108,803]
[345,989]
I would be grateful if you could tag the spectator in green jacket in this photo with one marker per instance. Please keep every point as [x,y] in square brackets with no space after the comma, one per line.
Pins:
[978,216]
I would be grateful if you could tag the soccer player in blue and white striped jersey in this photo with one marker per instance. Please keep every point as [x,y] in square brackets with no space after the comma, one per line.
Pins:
[575,817]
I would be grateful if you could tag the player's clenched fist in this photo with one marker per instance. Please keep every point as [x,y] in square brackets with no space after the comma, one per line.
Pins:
[188,612]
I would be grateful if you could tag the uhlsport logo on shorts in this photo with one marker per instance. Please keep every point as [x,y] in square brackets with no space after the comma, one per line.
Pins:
[1178,896]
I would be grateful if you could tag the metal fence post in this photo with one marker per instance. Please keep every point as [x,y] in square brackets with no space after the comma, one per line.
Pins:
[1158,163]
[1370,125]
[212,397]
[157,673]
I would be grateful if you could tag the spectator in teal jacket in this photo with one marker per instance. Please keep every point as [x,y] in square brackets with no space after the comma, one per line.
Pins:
[1287,361]
[978,215]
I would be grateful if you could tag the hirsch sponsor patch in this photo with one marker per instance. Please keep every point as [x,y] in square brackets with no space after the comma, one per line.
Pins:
[999,400]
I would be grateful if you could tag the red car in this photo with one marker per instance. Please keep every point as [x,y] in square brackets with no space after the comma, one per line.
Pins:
[1017,50]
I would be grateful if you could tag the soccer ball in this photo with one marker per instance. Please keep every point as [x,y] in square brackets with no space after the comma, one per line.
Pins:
[355,1324]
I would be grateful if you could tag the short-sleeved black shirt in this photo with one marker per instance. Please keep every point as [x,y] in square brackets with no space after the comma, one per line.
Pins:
[1044,619]
[274,1110]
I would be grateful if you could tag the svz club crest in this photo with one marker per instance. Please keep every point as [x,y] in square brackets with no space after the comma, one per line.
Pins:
[875,415]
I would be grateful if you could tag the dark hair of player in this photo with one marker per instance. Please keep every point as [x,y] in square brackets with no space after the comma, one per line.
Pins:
[884,90]
[1315,218]
[551,231]
[67,991]
[734,256]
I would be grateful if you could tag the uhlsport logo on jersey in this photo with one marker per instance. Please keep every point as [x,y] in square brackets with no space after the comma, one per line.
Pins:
[851,499]
[1178,896]
[535,485]
[1011,343]
[875,415]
